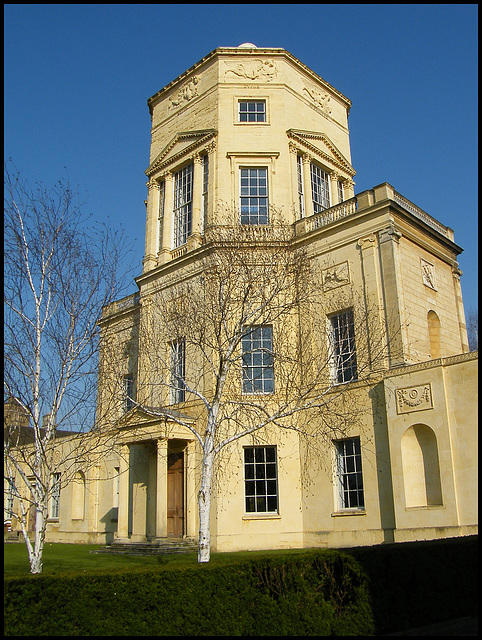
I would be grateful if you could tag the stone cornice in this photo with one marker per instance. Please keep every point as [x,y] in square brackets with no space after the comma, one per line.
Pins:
[430,364]
[248,53]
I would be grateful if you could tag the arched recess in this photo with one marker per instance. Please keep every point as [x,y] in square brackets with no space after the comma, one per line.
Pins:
[421,469]
[434,335]
[78,496]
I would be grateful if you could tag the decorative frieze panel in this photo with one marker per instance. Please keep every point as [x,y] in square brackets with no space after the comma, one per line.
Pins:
[428,274]
[320,99]
[416,398]
[264,70]
[186,93]
[335,276]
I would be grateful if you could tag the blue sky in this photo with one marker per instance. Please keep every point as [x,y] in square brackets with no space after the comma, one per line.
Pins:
[77,78]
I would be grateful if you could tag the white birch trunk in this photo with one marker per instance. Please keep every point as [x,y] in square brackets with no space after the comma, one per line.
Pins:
[204,504]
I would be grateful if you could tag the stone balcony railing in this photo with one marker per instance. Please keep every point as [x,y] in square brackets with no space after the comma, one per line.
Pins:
[120,305]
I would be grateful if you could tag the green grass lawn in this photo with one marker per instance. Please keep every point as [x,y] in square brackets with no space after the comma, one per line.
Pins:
[66,558]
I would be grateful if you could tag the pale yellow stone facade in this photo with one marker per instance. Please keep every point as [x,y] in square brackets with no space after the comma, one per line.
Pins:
[245,109]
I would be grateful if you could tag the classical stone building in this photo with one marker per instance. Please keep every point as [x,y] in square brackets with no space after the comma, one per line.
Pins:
[245,138]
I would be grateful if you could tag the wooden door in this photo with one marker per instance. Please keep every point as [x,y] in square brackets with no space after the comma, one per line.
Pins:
[175,495]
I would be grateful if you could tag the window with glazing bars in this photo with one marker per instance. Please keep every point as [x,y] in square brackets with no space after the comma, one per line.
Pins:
[55,496]
[129,400]
[257,352]
[252,111]
[162,198]
[341,193]
[320,188]
[349,474]
[260,480]
[254,195]
[182,205]
[301,204]
[343,347]
[178,371]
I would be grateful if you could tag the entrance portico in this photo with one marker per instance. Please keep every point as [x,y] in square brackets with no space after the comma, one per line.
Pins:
[157,498]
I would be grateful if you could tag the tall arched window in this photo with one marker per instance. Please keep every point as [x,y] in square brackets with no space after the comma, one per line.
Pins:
[78,496]
[421,471]
[434,335]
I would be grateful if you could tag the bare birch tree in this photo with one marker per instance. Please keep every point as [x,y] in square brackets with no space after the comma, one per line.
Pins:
[58,273]
[242,339]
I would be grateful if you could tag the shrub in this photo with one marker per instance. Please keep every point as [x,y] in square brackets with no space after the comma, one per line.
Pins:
[313,593]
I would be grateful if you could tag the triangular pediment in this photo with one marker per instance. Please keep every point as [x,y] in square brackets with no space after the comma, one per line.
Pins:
[142,416]
[180,145]
[320,146]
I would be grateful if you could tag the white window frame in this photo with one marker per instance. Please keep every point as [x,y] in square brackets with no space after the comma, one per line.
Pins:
[182,205]
[253,195]
[260,480]
[349,475]
[258,115]
[257,361]
[54,503]
[177,387]
[320,188]
[129,392]
[343,347]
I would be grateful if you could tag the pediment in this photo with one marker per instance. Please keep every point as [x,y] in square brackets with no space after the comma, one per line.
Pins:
[140,416]
[320,146]
[180,145]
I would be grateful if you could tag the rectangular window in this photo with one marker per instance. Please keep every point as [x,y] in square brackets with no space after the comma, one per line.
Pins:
[129,399]
[254,195]
[320,188]
[10,497]
[349,474]
[343,347]
[182,205]
[162,197]
[258,367]
[55,496]
[252,111]
[341,194]
[260,480]
[299,165]
[205,167]
[178,371]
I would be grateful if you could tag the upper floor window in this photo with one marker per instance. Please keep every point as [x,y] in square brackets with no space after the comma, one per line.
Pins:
[129,400]
[162,199]
[183,182]
[254,195]
[258,368]
[349,474]
[343,347]
[178,371]
[252,111]
[320,188]
[205,167]
[341,191]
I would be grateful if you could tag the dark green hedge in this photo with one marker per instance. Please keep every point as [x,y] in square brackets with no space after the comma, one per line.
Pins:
[417,583]
[312,593]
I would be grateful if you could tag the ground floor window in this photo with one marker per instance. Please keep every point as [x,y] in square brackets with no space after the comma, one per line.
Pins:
[55,496]
[349,474]
[260,480]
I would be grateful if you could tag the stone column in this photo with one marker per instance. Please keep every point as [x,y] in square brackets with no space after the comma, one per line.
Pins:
[150,258]
[195,238]
[334,189]
[123,508]
[307,195]
[456,273]
[161,488]
[166,240]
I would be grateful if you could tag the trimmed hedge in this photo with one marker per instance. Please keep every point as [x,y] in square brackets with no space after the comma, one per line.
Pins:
[322,592]
[417,583]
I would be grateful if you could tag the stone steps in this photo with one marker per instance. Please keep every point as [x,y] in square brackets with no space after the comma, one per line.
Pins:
[150,548]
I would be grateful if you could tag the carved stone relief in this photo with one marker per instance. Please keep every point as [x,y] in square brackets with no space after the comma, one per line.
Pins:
[320,99]
[428,274]
[186,93]
[414,398]
[264,70]
[335,276]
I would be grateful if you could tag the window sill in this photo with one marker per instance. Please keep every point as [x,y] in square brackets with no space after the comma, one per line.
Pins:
[423,507]
[261,516]
[349,512]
